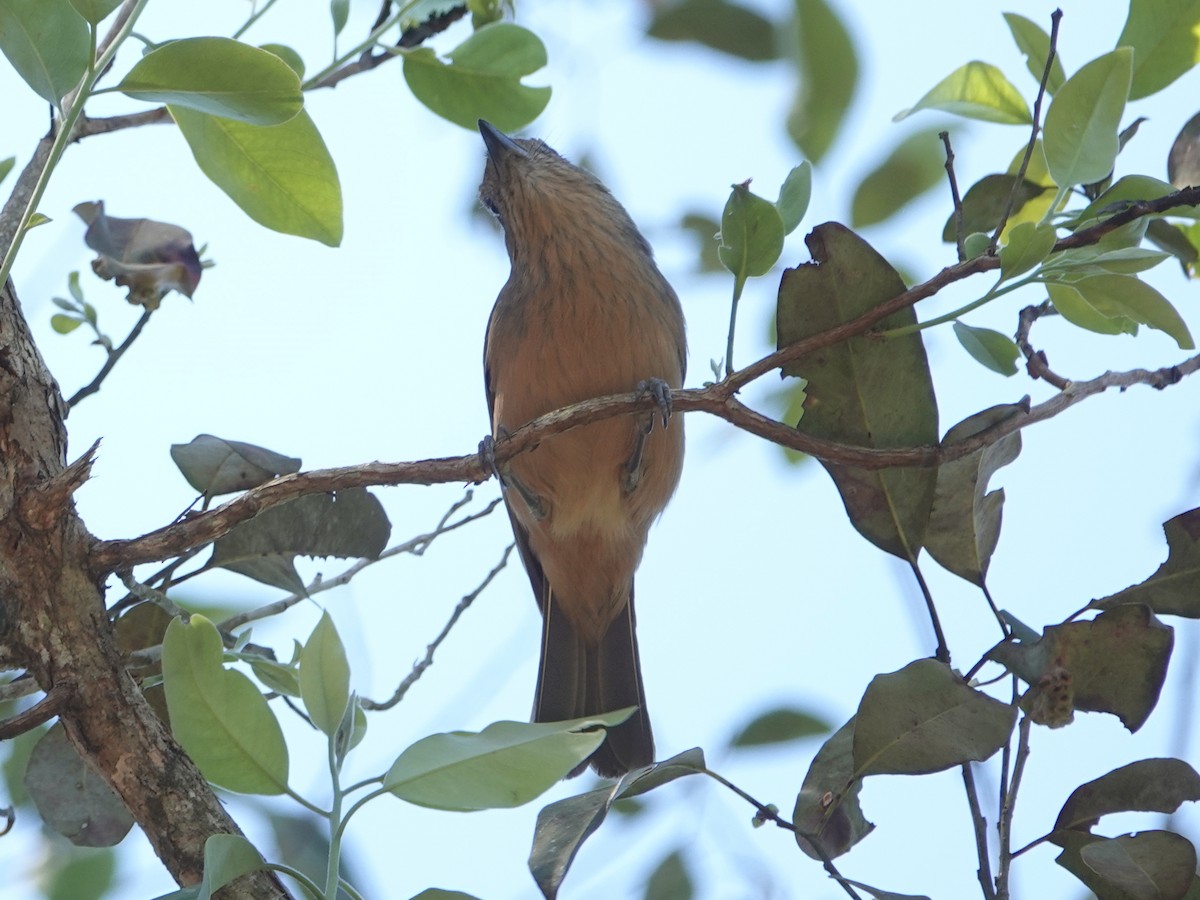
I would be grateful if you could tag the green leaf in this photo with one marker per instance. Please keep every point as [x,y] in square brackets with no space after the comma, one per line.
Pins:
[95,11]
[1027,246]
[218,76]
[1148,785]
[276,676]
[964,524]
[752,233]
[794,195]
[70,795]
[1151,865]
[1163,35]
[227,857]
[1115,664]
[64,324]
[719,24]
[989,348]
[977,90]
[218,715]
[339,12]
[1035,44]
[1080,135]
[828,816]
[925,718]
[215,466]
[985,201]
[482,79]
[670,879]
[325,676]
[293,59]
[282,177]
[1174,589]
[880,894]
[864,391]
[505,765]
[442,894]
[1083,262]
[1126,296]
[1073,307]
[1177,241]
[915,165]
[6,166]
[780,725]
[78,875]
[827,69]
[47,43]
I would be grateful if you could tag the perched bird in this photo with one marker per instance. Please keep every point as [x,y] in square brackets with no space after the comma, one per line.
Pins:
[585,313]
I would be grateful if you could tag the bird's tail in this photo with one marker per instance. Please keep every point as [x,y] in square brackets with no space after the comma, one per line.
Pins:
[577,678]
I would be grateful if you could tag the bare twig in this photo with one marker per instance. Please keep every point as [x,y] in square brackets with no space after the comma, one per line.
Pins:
[958,207]
[114,356]
[42,711]
[1007,810]
[1055,18]
[1035,360]
[419,668]
[979,823]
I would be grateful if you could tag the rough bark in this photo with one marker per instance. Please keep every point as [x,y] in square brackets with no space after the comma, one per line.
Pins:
[53,623]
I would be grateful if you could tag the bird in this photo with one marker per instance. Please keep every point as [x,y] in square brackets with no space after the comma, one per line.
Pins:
[585,313]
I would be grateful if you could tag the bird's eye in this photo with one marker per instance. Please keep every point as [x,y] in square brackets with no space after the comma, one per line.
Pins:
[490,204]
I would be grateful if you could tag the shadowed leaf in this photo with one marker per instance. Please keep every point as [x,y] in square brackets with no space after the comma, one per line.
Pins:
[1174,589]
[827,812]
[719,24]
[1148,785]
[1152,865]
[985,200]
[828,75]
[911,169]
[215,466]
[777,726]
[47,43]
[1183,162]
[670,879]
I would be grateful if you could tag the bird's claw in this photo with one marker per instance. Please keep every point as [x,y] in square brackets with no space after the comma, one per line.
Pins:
[661,392]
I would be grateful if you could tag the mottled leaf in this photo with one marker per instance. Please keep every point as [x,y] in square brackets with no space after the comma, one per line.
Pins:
[827,814]
[1174,589]
[863,391]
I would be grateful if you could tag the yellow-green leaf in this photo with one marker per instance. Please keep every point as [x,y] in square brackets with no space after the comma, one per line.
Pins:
[1080,136]
[1165,37]
[977,90]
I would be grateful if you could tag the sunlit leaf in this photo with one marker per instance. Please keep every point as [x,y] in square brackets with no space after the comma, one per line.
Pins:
[1034,43]
[1165,37]
[827,64]
[915,165]
[986,200]
[1080,134]
[976,90]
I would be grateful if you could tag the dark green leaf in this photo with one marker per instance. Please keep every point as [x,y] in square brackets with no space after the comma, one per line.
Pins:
[482,79]
[215,466]
[71,797]
[827,814]
[925,718]
[689,762]
[282,177]
[1034,43]
[964,524]
[912,168]
[150,258]
[1080,134]
[1183,162]
[1148,785]
[670,879]
[6,166]
[505,765]
[1177,241]
[719,24]
[1162,34]
[218,76]
[47,43]
[864,391]
[985,200]
[1115,663]
[561,829]
[1152,865]
[79,875]
[348,524]
[218,715]
[1174,589]
[325,676]
[777,726]
[827,66]
[976,90]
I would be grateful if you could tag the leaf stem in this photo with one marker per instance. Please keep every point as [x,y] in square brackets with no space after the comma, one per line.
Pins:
[739,282]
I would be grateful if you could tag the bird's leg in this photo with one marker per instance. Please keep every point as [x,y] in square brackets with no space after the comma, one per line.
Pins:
[661,392]
[506,477]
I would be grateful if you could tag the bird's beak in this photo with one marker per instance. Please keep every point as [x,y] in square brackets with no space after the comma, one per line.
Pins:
[499,145]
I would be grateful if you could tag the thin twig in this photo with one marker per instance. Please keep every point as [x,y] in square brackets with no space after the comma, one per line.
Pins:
[114,356]
[1008,808]
[1055,18]
[419,668]
[43,711]
[1035,360]
[958,207]
[979,823]
[987,595]
[943,650]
